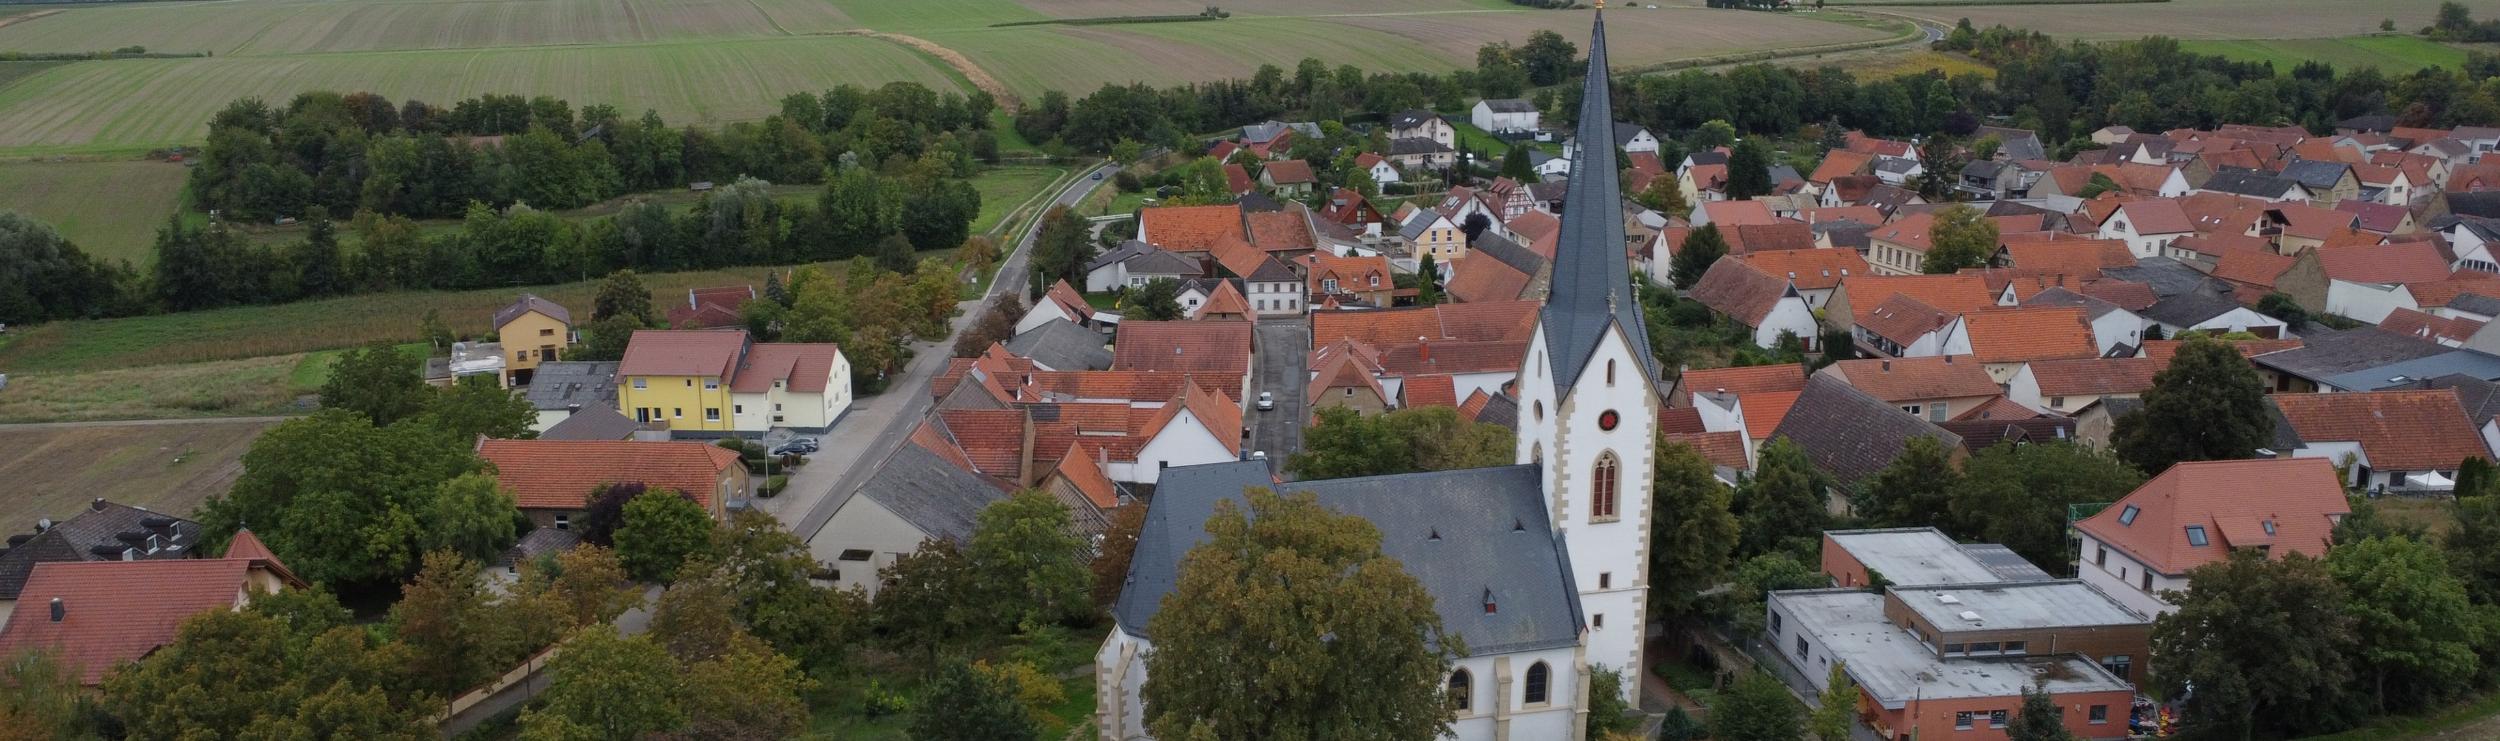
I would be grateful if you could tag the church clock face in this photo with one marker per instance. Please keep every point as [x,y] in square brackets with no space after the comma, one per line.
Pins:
[1606,420]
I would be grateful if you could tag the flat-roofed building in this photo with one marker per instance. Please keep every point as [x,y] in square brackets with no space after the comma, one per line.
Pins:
[1909,689]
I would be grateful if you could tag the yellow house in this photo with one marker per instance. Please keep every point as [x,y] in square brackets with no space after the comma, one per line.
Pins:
[716,382]
[533,330]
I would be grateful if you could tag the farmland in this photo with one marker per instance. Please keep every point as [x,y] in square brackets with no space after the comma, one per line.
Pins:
[2200,19]
[2391,54]
[111,209]
[170,468]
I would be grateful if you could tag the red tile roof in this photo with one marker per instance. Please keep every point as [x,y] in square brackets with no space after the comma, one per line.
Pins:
[2161,216]
[710,307]
[1088,479]
[1911,232]
[1746,381]
[1435,390]
[1999,408]
[117,612]
[2252,268]
[2439,293]
[1913,379]
[1182,346]
[2420,430]
[1225,303]
[2078,257]
[2163,350]
[1288,172]
[1752,238]
[709,353]
[1810,269]
[1474,406]
[1764,410]
[1730,214]
[2417,262]
[1452,357]
[2097,376]
[1740,291]
[1218,416]
[805,367]
[560,474]
[2416,324]
[1679,420]
[1481,278]
[1188,228]
[1487,321]
[1069,299]
[2231,501]
[1280,231]
[2022,335]
[1839,162]
[1948,293]
[1726,449]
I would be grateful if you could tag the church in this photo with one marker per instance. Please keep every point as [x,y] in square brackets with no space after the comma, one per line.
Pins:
[1541,566]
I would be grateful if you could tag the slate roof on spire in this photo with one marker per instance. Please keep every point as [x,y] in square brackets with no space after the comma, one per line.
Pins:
[1592,283]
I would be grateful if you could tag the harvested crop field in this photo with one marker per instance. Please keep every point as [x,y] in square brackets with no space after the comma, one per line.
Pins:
[2209,19]
[224,388]
[1636,37]
[139,103]
[109,209]
[171,468]
[2392,54]
[265,27]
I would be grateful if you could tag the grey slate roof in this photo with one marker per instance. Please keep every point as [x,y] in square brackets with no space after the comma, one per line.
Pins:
[1708,157]
[1847,234]
[564,383]
[1982,434]
[1411,118]
[1416,145]
[593,422]
[1850,434]
[2317,174]
[1117,255]
[2475,303]
[104,526]
[2059,296]
[930,493]
[2326,354]
[1784,173]
[531,302]
[540,542]
[1491,528]
[2451,362]
[2248,183]
[1897,166]
[2014,144]
[1160,262]
[1500,409]
[1060,344]
[2285,438]
[1508,105]
[2169,277]
[1592,282]
[2187,309]
[1508,253]
[2485,204]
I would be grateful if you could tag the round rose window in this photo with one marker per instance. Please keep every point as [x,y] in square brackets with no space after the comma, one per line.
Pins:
[1606,420]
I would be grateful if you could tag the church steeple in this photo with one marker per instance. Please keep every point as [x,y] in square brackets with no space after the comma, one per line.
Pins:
[1592,283]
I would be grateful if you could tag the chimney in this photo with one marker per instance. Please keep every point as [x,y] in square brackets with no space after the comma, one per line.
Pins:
[1423,349]
[58,610]
[43,524]
[1887,366]
[97,505]
[1948,360]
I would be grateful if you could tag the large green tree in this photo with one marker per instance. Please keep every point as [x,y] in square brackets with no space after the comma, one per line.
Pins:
[1692,535]
[2038,719]
[931,599]
[1062,248]
[1757,708]
[1289,623]
[1835,711]
[289,666]
[2417,628]
[622,294]
[478,405]
[2208,405]
[1962,237]
[1749,170]
[40,698]
[470,515]
[1158,300]
[377,381]
[2017,495]
[1346,444]
[605,685]
[1702,248]
[1914,490]
[771,572]
[968,705]
[2470,548]
[1782,506]
[2264,641]
[1028,552]
[661,529]
[343,501]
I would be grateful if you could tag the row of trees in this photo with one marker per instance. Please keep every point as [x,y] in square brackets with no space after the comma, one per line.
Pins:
[356,152]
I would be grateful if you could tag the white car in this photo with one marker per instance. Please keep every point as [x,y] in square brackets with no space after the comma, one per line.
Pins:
[1267,400]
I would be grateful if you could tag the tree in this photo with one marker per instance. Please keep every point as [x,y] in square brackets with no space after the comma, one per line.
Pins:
[1665,195]
[1914,490]
[1691,533]
[1250,641]
[340,499]
[377,381]
[1515,164]
[2265,643]
[2017,495]
[604,685]
[2416,627]
[1026,548]
[442,617]
[1756,709]
[693,620]
[894,253]
[1680,726]
[1158,300]
[1749,170]
[2208,405]
[659,531]
[1836,710]
[588,581]
[771,571]
[40,698]
[2469,550]
[1781,507]
[288,666]
[2282,306]
[1547,57]
[1702,248]
[748,693]
[470,515]
[1963,238]
[931,598]
[1713,134]
[1741,603]
[1345,444]
[2099,183]
[622,294]
[1111,561]
[2037,719]
[2476,477]
[1608,712]
[479,405]
[603,511]
[1061,249]
[967,705]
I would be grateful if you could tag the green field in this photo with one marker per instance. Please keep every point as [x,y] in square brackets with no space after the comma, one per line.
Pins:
[109,209]
[1004,188]
[140,103]
[2391,54]
[2193,19]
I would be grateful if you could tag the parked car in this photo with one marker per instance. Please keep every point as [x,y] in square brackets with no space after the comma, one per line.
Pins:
[1267,400]
[800,446]
[1097,174]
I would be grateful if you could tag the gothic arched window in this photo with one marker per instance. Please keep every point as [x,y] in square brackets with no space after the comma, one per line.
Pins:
[1538,677]
[1604,479]
[1462,690]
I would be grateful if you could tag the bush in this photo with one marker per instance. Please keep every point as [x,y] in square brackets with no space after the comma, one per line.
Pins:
[773,486]
[1127,182]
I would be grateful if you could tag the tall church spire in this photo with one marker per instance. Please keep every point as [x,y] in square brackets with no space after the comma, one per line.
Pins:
[1592,283]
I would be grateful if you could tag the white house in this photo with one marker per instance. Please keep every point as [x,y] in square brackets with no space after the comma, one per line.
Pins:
[2147,226]
[1203,428]
[1504,115]
[2368,302]
[1060,302]
[1767,304]
[794,385]
[2197,513]
[2474,240]
[1422,124]
[915,495]
[1382,172]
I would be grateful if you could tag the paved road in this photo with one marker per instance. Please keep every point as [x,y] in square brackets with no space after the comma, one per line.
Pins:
[878,424]
[1284,347]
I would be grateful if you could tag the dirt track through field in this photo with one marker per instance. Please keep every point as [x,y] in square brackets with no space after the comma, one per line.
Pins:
[1007,100]
[16,19]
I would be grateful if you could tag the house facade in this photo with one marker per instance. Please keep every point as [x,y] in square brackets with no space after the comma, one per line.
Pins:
[532,330]
[717,383]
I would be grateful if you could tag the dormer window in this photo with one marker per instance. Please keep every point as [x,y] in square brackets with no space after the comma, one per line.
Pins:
[2127,516]
[154,544]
